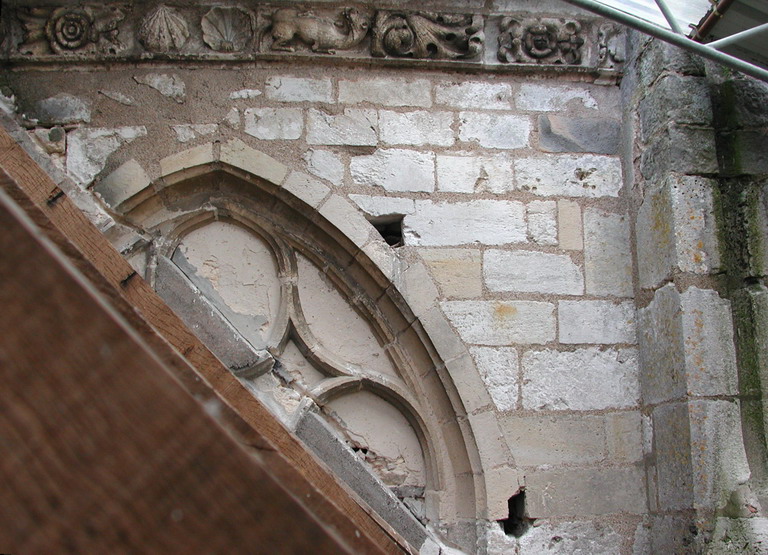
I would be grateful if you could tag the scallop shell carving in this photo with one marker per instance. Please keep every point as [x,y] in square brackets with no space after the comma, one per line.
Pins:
[163,30]
[227,29]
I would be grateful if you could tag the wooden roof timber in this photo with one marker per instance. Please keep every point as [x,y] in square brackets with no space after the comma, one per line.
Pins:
[304,495]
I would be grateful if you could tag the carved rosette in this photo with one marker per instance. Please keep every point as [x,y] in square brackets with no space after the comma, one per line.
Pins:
[541,41]
[227,29]
[425,35]
[85,29]
[163,30]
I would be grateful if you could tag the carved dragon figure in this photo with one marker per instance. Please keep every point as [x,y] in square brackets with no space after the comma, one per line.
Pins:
[321,34]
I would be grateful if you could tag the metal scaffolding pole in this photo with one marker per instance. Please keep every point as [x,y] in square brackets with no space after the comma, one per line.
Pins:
[674,38]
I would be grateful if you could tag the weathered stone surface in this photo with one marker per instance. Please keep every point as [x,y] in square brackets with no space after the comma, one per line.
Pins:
[125,182]
[488,96]
[569,236]
[682,99]
[739,535]
[542,222]
[306,188]
[196,156]
[395,170]
[607,258]
[546,440]
[274,123]
[743,152]
[89,148]
[597,322]
[660,56]
[717,450]
[744,101]
[549,98]
[708,337]
[494,130]
[355,127]
[571,538]
[188,132]
[238,154]
[326,165]
[468,173]
[624,436]
[383,207]
[672,441]
[499,369]
[343,214]
[168,85]
[299,89]
[490,222]
[585,491]
[569,175]
[660,337]
[502,322]
[416,128]
[681,148]
[456,271]
[585,379]
[119,97]
[244,94]
[566,134]
[62,109]
[532,272]
[386,92]
[53,140]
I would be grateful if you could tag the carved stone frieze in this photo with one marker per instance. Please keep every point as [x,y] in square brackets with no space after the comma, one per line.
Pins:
[540,41]
[163,30]
[424,35]
[228,29]
[610,47]
[85,29]
[290,27]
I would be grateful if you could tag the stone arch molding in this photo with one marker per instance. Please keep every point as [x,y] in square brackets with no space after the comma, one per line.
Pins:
[304,237]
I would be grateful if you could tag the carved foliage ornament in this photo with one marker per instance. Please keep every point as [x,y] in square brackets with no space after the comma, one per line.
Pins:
[83,29]
[427,35]
[543,41]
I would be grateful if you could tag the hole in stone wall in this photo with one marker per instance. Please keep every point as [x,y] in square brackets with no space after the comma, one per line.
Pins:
[391,229]
[518,522]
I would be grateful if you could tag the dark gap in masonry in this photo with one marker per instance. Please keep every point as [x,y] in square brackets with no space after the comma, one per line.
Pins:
[391,229]
[518,522]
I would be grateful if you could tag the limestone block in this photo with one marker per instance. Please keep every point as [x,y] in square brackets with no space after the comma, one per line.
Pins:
[532,272]
[238,154]
[89,148]
[244,94]
[487,96]
[125,182]
[186,132]
[62,109]
[569,175]
[416,128]
[571,537]
[118,97]
[189,158]
[660,56]
[597,322]
[744,153]
[274,123]
[355,127]
[607,258]
[343,214]
[467,173]
[624,436]
[494,130]
[745,100]
[567,134]
[545,440]
[708,337]
[499,369]
[550,98]
[470,386]
[501,483]
[500,323]
[488,222]
[717,449]
[232,119]
[447,343]
[672,441]
[383,207]
[683,99]
[386,92]
[417,287]
[298,89]
[677,228]
[542,222]
[493,447]
[306,188]
[168,85]
[395,170]
[660,337]
[325,165]
[569,236]
[584,379]
[585,491]
[456,271]
[680,148]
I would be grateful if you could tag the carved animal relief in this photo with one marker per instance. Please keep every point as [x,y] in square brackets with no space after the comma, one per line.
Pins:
[426,35]
[291,27]
[544,41]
